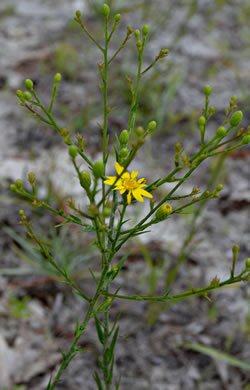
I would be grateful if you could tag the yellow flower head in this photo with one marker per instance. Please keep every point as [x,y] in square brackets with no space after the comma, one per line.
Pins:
[128,183]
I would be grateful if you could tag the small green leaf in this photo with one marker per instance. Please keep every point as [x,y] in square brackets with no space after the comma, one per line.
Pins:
[93,275]
[76,219]
[112,345]
[215,354]
[114,325]
[97,359]
[98,381]
[77,325]
[49,384]
[88,228]
[62,224]
[117,385]
[139,233]
[99,331]
[110,375]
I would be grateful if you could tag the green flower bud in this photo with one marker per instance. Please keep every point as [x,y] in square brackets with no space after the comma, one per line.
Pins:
[233,99]
[137,34]
[57,78]
[139,44]
[152,126]
[129,30]
[31,177]
[124,152]
[73,151]
[13,187]
[107,211]
[163,52]
[246,139]
[145,30]
[236,118]
[105,10]
[139,131]
[29,84]
[163,212]
[211,110]
[202,121]
[98,169]
[124,136]
[195,190]
[248,262]
[219,187]
[80,140]
[19,184]
[27,96]
[117,18]
[21,213]
[85,179]
[235,250]
[207,90]
[19,93]
[78,14]
[221,131]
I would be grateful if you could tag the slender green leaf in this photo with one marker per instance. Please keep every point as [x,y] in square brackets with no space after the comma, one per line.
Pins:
[114,325]
[112,345]
[214,353]
[98,381]
[110,375]
[97,358]
[77,325]
[99,331]
[62,224]
[93,275]
[76,219]
[123,259]
[139,233]
[117,385]
[88,228]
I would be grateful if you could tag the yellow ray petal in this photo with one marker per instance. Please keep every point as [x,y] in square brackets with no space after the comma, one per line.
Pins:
[137,195]
[134,174]
[111,180]
[129,197]
[118,168]
[146,193]
[125,176]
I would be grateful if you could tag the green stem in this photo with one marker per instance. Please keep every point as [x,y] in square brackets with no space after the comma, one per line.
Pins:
[172,273]
[88,315]
[128,36]
[154,209]
[185,294]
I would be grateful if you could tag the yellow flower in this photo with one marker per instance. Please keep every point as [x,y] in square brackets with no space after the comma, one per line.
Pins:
[128,183]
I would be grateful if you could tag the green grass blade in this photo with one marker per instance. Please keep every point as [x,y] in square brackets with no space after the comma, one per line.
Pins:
[215,354]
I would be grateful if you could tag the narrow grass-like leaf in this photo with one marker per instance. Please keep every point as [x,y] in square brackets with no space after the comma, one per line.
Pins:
[77,325]
[110,375]
[214,353]
[98,381]
[93,275]
[99,331]
[97,358]
[117,385]
[62,224]
[76,219]
[87,228]
[112,345]
[114,325]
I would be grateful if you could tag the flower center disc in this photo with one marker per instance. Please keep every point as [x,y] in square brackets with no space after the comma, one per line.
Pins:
[130,184]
